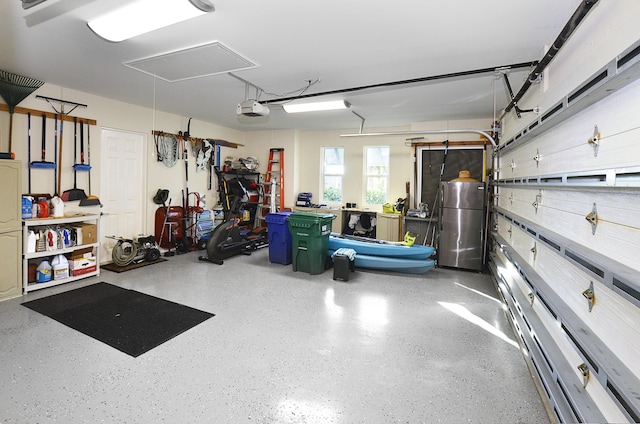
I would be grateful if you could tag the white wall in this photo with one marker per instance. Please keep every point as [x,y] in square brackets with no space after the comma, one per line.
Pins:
[310,146]
[302,149]
[121,116]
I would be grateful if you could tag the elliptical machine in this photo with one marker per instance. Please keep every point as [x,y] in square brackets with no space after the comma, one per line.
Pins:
[228,239]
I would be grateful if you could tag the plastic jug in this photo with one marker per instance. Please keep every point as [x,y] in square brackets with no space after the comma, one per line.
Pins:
[51,239]
[43,209]
[58,207]
[65,235]
[31,242]
[43,272]
[60,266]
[41,244]
[27,207]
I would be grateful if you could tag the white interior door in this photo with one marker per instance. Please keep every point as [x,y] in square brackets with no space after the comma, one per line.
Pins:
[121,186]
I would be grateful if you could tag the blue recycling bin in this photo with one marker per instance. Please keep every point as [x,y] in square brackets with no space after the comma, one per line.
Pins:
[279,238]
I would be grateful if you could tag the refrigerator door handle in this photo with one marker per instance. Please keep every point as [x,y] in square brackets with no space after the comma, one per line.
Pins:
[441,208]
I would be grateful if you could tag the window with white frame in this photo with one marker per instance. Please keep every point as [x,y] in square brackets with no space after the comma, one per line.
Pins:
[332,172]
[376,175]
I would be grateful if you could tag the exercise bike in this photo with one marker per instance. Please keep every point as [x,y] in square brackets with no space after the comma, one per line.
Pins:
[229,239]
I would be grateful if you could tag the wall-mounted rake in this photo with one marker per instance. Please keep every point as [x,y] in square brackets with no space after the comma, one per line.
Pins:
[14,89]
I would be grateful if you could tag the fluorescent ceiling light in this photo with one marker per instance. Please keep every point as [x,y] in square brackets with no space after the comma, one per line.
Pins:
[145,16]
[314,107]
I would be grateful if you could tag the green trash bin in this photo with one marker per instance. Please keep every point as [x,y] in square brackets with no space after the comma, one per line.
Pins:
[310,240]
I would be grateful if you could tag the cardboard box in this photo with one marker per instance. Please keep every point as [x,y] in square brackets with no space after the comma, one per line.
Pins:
[85,252]
[31,273]
[89,232]
[82,266]
[82,271]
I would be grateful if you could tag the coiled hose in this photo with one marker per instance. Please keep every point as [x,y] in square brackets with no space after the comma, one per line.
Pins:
[124,252]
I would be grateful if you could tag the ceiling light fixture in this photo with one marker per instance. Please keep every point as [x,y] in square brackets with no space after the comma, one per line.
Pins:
[145,16]
[26,4]
[315,107]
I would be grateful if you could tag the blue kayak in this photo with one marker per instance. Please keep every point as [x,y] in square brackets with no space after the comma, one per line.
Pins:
[379,248]
[408,266]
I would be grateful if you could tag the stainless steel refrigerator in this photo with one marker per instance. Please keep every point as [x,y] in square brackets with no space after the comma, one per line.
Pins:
[462,225]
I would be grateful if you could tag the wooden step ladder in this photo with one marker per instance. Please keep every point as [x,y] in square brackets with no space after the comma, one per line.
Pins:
[273,187]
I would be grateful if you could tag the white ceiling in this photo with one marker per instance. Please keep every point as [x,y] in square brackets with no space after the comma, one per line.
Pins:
[345,43]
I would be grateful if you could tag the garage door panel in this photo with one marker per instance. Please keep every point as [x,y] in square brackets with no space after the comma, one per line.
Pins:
[613,319]
[567,214]
[564,362]
[566,148]
[616,232]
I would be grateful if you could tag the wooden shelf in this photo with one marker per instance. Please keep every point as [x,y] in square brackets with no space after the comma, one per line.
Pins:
[49,115]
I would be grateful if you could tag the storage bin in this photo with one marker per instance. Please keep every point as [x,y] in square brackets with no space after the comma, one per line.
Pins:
[279,237]
[310,240]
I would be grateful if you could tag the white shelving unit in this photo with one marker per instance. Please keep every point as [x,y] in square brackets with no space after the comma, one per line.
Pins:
[30,224]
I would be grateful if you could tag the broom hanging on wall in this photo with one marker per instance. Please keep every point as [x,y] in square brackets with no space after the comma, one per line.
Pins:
[63,116]
[76,193]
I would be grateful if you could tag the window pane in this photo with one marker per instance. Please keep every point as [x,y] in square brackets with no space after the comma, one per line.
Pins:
[377,160]
[333,161]
[376,190]
[332,191]
[377,175]
[332,171]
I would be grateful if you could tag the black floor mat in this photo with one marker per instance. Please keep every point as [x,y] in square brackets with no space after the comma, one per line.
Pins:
[127,320]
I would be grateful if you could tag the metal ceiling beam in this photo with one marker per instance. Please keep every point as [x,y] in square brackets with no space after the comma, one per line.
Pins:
[415,81]
[426,132]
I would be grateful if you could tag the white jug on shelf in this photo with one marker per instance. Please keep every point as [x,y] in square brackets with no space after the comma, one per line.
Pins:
[58,207]
[31,242]
[60,267]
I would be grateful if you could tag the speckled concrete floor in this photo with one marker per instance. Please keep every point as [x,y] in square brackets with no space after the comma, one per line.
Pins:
[284,347]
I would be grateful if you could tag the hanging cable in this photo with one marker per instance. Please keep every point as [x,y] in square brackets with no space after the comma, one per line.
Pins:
[259,90]
[295,93]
